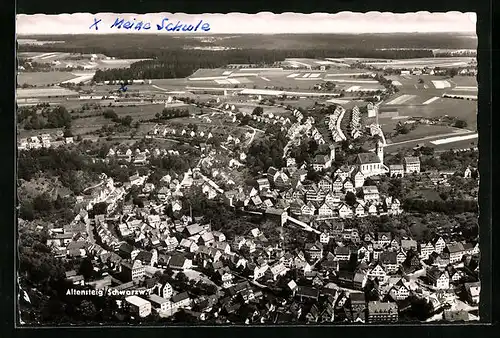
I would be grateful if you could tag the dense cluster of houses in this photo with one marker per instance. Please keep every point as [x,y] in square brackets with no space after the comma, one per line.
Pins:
[344,275]
[333,122]
[44,141]
[341,274]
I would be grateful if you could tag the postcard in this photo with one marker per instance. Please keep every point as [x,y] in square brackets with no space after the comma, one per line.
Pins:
[260,169]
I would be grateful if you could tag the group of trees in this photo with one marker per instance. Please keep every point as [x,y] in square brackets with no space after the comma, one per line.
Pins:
[305,152]
[44,207]
[171,113]
[49,118]
[172,162]
[268,151]
[448,207]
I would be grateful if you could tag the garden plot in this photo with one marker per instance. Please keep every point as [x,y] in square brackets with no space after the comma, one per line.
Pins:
[431,100]
[466,88]
[441,84]
[401,99]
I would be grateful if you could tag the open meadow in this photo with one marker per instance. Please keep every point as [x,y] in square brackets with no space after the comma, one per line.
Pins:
[43,78]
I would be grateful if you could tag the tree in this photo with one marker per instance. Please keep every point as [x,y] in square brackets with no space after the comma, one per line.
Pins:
[181,277]
[258,111]
[87,309]
[402,128]
[460,124]
[67,132]
[453,72]
[100,208]
[110,114]
[350,198]
[86,268]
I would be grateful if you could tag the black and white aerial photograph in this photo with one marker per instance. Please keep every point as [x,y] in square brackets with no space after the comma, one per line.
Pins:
[247,169]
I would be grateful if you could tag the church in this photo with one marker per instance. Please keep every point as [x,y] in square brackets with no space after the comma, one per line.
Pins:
[371,164]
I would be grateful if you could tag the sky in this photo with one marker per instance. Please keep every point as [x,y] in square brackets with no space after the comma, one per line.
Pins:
[261,23]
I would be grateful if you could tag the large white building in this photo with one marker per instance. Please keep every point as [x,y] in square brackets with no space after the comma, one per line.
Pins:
[138,306]
[371,164]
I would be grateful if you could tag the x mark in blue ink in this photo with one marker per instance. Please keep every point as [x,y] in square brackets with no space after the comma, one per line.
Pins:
[123,87]
[95,24]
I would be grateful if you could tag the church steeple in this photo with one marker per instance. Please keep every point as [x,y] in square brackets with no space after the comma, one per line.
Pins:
[380,151]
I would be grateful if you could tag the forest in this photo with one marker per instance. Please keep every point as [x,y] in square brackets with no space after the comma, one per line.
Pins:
[167,57]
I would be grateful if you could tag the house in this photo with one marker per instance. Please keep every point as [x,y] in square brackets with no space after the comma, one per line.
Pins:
[381,312]
[377,271]
[307,292]
[358,306]
[359,280]
[138,306]
[225,276]
[338,184]
[384,238]
[473,291]
[359,210]
[137,179]
[328,314]
[314,250]
[159,302]
[439,245]
[342,253]
[396,170]
[314,193]
[389,260]
[325,211]
[313,315]
[180,300]
[276,270]
[325,183]
[345,211]
[321,162]
[132,271]
[438,278]
[426,250]
[412,164]
[263,183]
[166,291]
[147,258]
[400,256]
[176,205]
[371,194]
[358,178]
[409,244]
[399,291]
[348,186]
[179,262]
[324,238]
[456,252]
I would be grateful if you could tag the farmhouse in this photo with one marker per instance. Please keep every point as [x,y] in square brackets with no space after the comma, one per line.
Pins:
[412,164]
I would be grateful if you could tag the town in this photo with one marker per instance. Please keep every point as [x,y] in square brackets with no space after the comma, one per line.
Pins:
[330,202]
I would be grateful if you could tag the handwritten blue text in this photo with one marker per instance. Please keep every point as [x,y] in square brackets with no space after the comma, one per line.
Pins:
[164,25]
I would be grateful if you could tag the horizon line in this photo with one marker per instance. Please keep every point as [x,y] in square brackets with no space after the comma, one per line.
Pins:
[244,33]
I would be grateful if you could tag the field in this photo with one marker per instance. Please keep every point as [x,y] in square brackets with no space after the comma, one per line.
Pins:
[422,131]
[425,100]
[43,78]
[22,93]
[423,62]
[282,79]
[62,60]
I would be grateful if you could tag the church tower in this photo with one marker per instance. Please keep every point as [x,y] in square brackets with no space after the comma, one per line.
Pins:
[380,151]
[332,152]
